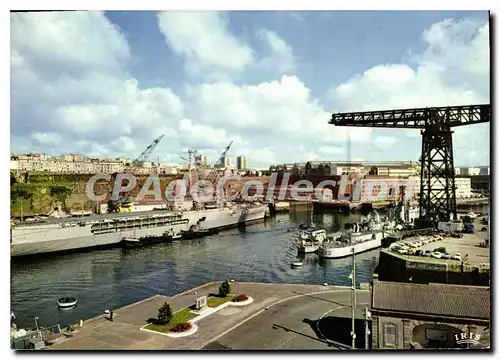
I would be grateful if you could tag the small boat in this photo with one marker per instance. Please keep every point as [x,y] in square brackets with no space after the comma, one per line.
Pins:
[196,234]
[66,302]
[297,264]
[131,242]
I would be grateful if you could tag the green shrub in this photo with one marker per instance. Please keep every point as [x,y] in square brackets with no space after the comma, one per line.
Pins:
[165,313]
[224,289]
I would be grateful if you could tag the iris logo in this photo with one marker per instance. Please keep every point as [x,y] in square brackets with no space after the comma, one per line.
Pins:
[465,338]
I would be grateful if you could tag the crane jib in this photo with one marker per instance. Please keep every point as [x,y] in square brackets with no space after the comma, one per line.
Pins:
[437,198]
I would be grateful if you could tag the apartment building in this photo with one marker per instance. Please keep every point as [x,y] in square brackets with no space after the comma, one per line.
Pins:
[242,163]
[227,162]
[201,160]
[463,188]
[472,171]
[79,164]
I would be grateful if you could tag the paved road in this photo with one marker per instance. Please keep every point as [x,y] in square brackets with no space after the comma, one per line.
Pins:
[290,324]
[124,334]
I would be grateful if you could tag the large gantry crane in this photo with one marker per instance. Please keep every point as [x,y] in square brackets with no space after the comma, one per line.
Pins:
[437,174]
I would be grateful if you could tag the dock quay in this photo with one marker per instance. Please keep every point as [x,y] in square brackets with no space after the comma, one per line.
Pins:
[280,317]
[475,270]
[286,206]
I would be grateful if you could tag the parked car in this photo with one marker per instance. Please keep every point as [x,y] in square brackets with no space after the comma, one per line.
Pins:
[446,256]
[437,255]
[457,256]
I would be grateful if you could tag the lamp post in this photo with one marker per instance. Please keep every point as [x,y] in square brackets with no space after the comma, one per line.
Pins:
[353,297]
[368,316]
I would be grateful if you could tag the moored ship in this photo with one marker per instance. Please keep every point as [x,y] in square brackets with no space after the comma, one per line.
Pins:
[107,230]
[357,238]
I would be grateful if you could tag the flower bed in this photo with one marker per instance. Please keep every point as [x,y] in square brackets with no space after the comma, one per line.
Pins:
[180,317]
[181,327]
[240,298]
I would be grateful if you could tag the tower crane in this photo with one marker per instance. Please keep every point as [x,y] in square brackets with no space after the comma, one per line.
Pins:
[147,152]
[437,174]
[212,176]
[116,205]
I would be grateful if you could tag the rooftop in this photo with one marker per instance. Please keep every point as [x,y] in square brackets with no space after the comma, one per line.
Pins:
[461,301]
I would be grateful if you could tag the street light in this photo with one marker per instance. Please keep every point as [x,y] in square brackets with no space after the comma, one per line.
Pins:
[368,316]
[353,297]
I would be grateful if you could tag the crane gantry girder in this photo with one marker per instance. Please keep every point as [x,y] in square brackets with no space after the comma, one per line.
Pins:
[418,118]
[437,174]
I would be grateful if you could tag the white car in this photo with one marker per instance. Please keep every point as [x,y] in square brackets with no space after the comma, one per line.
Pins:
[457,256]
[471,215]
[437,255]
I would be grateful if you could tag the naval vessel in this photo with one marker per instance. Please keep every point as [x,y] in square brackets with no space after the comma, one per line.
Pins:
[107,230]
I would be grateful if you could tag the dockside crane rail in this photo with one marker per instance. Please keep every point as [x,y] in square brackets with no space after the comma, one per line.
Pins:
[437,174]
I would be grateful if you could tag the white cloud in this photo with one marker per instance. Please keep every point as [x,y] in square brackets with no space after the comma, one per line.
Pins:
[70,88]
[280,58]
[46,139]
[282,108]
[204,40]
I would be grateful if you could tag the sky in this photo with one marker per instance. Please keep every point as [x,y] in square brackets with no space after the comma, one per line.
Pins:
[107,84]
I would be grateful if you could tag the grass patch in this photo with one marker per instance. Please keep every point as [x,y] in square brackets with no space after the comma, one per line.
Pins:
[215,301]
[179,317]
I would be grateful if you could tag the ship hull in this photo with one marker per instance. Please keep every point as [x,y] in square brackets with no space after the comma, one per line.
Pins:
[307,249]
[340,252]
[54,239]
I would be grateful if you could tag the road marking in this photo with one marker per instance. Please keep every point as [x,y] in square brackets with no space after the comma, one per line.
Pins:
[266,308]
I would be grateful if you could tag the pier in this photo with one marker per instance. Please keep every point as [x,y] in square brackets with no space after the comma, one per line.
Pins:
[475,270]
[281,316]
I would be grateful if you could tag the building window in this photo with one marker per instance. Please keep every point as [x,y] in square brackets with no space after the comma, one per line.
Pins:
[390,335]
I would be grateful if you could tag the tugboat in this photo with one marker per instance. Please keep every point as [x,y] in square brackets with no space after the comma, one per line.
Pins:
[132,242]
[197,233]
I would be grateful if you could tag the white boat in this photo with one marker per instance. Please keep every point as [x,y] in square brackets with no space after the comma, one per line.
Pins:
[311,241]
[107,230]
[358,239]
[471,215]
[297,264]
[66,302]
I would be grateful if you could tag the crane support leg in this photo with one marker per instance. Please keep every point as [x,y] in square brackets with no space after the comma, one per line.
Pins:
[437,176]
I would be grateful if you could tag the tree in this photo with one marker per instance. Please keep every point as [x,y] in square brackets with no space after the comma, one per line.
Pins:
[60,192]
[224,289]
[165,313]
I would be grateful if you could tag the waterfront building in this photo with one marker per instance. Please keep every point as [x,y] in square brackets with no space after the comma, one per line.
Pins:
[409,315]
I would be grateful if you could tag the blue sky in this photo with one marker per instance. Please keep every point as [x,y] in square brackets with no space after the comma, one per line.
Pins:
[107,84]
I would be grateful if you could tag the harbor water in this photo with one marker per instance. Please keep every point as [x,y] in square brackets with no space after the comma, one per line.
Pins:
[109,279]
